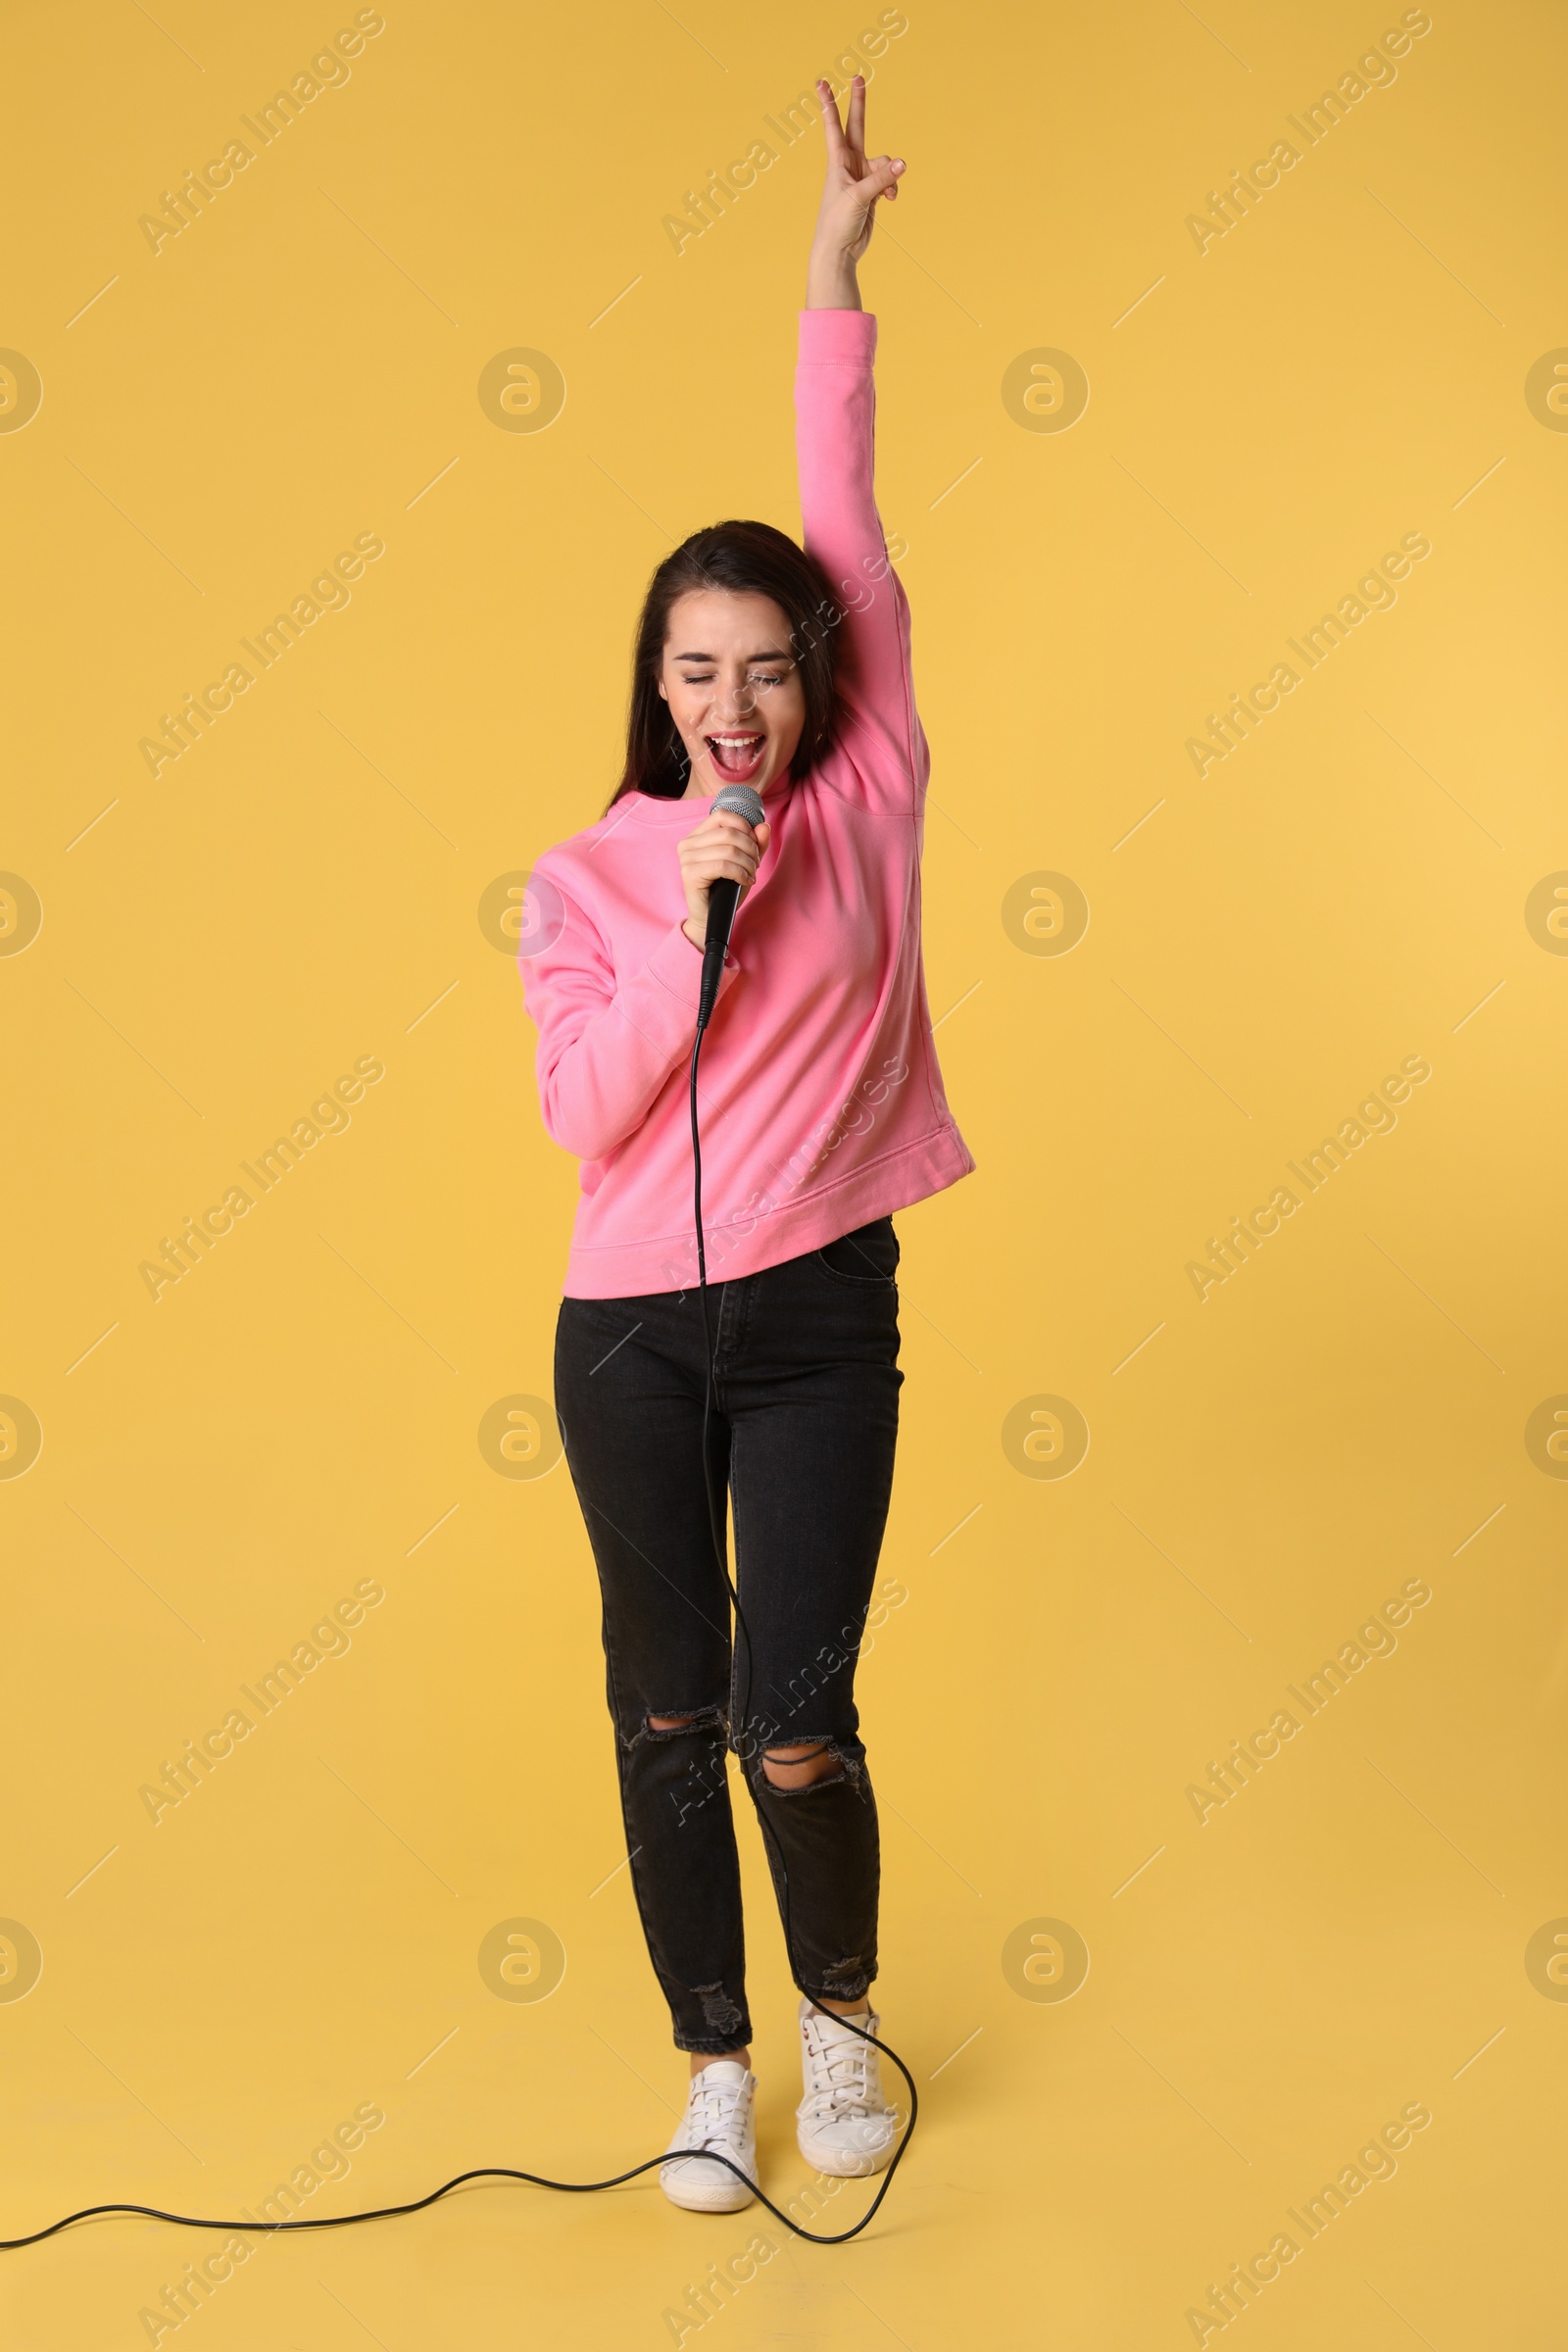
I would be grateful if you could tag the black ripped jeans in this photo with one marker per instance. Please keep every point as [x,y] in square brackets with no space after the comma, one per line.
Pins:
[805,1413]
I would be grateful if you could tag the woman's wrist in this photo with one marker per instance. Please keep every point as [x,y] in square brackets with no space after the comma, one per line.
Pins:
[831,284]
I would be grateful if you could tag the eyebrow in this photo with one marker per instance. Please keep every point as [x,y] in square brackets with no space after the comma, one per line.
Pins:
[771,655]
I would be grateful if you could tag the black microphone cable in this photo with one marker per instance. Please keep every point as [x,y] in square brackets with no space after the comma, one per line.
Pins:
[501,2171]
[717,1533]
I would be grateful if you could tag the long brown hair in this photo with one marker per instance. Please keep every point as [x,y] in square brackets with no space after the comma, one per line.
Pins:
[742,558]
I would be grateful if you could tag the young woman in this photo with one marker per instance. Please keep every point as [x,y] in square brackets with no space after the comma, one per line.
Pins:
[822,1111]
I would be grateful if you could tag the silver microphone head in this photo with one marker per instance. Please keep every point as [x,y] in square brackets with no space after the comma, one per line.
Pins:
[741,801]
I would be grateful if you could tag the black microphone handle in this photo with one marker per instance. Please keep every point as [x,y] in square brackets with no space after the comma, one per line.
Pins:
[723,895]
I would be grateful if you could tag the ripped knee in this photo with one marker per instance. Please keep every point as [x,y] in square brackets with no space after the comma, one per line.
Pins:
[695,1719]
[802,1764]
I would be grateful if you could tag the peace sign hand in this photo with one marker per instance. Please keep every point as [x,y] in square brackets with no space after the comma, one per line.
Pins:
[852,185]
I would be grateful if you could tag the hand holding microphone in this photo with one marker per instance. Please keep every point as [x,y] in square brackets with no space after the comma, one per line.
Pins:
[719,861]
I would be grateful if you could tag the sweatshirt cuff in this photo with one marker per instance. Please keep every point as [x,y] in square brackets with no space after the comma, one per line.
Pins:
[848,337]
[678,965]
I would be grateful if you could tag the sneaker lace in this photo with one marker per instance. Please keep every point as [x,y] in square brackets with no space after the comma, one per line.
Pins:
[843,2082]
[714,2111]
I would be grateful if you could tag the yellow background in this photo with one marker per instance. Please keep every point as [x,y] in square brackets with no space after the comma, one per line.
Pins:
[297,367]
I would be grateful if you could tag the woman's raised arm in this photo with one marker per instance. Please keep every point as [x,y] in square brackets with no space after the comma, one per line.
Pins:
[835,411]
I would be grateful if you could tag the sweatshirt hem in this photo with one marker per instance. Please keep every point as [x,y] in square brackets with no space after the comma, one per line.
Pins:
[880,1187]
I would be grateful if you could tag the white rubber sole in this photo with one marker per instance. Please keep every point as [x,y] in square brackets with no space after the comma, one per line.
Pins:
[844,2164]
[726,2194]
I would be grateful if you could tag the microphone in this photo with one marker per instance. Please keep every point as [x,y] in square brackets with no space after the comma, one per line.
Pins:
[722,898]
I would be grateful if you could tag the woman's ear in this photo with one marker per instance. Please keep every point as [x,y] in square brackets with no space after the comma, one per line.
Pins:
[662,689]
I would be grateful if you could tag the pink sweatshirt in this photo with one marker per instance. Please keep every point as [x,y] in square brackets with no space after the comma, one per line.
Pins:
[821,1100]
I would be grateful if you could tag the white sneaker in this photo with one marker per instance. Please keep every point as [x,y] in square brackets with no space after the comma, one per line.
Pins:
[719,2115]
[844,2124]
